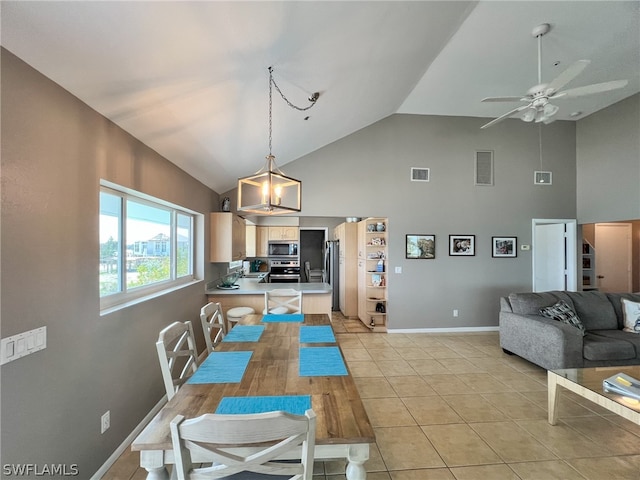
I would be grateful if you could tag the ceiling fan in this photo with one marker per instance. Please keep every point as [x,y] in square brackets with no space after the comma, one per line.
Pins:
[539,107]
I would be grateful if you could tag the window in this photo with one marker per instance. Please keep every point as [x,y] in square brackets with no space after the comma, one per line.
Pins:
[146,246]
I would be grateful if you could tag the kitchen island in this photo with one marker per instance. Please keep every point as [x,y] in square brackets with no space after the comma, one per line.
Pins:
[316,297]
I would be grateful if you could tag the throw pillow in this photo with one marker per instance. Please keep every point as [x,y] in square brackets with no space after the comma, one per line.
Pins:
[563,313]
[631,311]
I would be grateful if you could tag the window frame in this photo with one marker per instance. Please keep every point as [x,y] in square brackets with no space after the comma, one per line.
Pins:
[125,295]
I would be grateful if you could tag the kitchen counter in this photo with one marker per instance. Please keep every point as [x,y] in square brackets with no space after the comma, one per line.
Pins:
[316,297]
[251,286]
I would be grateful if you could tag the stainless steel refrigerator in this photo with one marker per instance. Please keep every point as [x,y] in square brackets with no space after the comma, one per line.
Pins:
[332,270]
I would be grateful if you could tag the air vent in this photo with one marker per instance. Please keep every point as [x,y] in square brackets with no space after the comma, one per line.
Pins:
[542,178]
[419,174]
[484,167]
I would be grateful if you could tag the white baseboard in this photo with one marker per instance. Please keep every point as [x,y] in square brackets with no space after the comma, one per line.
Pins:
[445,330]
[127,441]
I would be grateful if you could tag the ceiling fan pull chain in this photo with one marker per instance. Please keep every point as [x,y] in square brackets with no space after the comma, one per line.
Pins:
[540,143]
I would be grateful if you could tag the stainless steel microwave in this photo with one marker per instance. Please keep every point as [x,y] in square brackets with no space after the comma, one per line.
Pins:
[284,248]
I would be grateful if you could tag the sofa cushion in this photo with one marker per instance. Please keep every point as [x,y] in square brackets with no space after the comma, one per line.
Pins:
[563,313]
[631,312]
[595,310]
[605,346]
[616,301]
[531,303]
[623,336]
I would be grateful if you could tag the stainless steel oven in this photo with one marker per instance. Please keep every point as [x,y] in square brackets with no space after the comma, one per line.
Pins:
[284,271]
[284,248]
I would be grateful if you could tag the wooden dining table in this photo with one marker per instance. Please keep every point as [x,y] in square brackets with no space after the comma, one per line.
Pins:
[343,429]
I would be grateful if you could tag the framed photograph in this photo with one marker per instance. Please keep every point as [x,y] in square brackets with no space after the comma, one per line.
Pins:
[462,245]
[421,246]
[504,247]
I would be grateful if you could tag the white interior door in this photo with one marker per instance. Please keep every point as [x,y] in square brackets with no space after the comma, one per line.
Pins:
[613,256]
[554,255]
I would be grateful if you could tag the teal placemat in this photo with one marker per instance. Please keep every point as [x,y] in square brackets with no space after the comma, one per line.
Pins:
[317,334]
[244,333]
[286,317]
[321,361]
[222,367]
[295,404]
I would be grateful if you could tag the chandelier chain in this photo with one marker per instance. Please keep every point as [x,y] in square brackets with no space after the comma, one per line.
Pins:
[288,102]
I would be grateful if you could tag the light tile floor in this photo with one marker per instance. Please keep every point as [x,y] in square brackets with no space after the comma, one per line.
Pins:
[455,407]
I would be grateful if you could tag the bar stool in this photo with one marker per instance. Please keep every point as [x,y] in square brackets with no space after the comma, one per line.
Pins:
[237,313]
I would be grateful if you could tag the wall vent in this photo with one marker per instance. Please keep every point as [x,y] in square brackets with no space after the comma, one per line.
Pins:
[542,178]
[484,167]
[419,174]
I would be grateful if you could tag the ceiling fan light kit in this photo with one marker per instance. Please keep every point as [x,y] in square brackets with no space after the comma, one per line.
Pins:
[269,191]
[539,108]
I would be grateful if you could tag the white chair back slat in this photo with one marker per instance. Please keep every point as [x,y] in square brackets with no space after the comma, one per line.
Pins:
[208,435]
[177,355]
[213,325]
[282,300]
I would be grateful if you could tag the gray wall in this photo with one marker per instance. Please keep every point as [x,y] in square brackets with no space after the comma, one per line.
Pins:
[54,151]
[367,174]
[608,161]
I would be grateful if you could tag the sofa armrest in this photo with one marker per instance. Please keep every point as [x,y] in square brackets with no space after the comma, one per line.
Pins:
[543,341]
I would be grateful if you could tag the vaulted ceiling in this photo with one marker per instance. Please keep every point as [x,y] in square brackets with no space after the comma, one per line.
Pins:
[190,79]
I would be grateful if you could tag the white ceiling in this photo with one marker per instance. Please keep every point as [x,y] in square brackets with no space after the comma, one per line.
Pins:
[190,79]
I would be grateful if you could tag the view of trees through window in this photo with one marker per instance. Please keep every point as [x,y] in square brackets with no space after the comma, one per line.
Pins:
[142,243]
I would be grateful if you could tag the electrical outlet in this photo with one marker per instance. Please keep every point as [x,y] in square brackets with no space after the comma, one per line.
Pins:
[455,312]
[105,421]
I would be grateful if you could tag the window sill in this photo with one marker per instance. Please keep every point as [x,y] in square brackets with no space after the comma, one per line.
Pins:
[145,298]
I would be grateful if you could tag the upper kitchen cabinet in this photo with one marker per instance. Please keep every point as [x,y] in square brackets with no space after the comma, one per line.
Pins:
[284,233]
[262,241]
[228,233]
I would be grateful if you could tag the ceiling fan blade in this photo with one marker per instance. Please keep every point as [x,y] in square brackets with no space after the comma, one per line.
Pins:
[569,74]
[591,89]
[505,116]
[505,99]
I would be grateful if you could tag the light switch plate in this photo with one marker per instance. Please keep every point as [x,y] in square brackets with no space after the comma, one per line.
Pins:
[22,344]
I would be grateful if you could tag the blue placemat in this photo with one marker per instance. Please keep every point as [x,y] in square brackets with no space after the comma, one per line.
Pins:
[222,367]
[285,317]
[317,334]
[295,404]
[321,361]
[244,333]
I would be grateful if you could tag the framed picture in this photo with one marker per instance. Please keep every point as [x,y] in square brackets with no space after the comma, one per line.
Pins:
[504,247]
[421,246]
[462,245]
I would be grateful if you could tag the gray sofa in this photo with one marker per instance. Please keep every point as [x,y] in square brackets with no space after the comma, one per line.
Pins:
[552,344]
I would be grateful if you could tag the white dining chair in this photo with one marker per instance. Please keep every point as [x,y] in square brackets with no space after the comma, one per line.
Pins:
[213,325]
[208,434]
[177,355]
[282,300]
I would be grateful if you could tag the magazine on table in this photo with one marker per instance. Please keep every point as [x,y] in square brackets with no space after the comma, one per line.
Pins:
[622,384]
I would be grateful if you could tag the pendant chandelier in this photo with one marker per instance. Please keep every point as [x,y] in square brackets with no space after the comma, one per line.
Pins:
[269,191]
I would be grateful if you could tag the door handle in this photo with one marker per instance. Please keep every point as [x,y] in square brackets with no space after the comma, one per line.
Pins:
[600,276]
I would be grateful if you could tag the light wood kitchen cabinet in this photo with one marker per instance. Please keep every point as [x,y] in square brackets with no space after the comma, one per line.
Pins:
[228,237]
[250,241]
[372,273]
[262,241]
[347,235]
[284,233]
